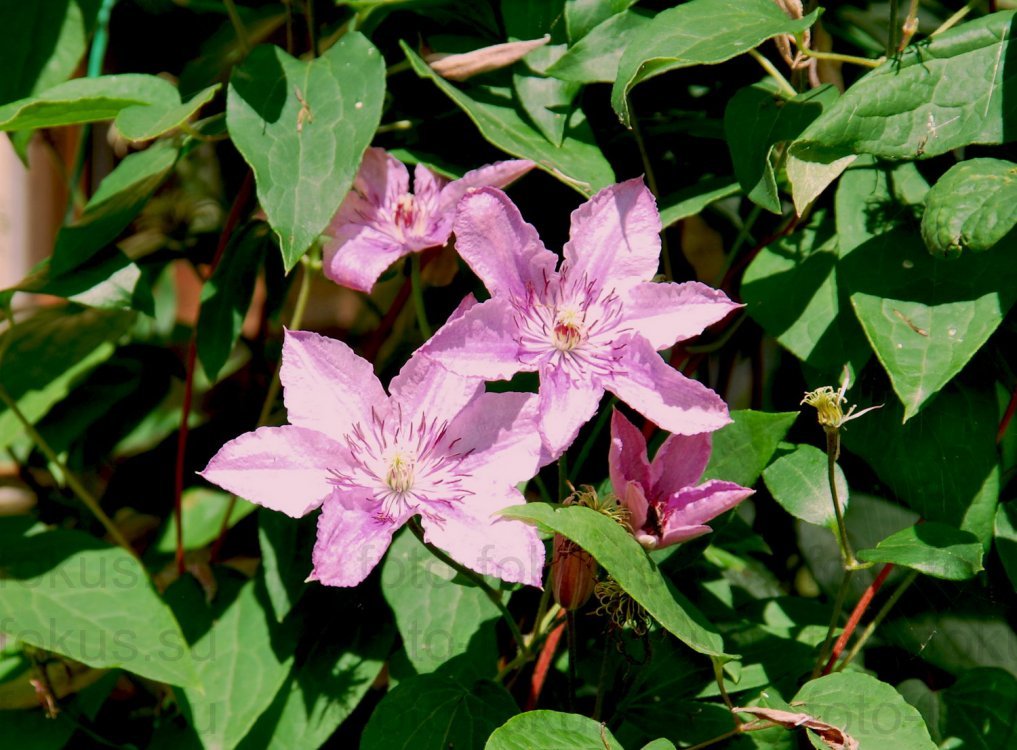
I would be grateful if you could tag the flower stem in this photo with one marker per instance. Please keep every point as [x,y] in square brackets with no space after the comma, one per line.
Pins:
[880,615]
[417,290]
[832,454]
[477,579]
[86,497]
[838,608]
[238,27]
[563,478]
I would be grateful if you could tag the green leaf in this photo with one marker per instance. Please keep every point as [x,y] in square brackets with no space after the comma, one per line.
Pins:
[947,92]
[548,729]
[70,593]
[434,712]
[661,744]
[942,463]
[701,32]
[795,291]
[955,641]
[146,123]
[203,511]
[323,691]
[582,16]
[285,557]
[935,549]
[242,658]
[617,551]
[798,481]
[48,353]
[43,44]
[971,208]
[437,615]
[121,195]
[694,199]
[303,128]
[578,161]
[1006,538]
[546,101]
[756,120]
[926,317]
[872,712]
[742,449]
[981,709]
[595,57]
[226,296]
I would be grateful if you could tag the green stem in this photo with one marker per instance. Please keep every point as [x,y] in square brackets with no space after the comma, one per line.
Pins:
[477,579]
[865,62]
[238,27]
[832,454]
[718,675]
[878,619]
[598,706]
[312,31]
[598,427]
[417,292]
[838,609]
[651,182]
[719,738]
[563,478]
[955,19]
[891,35]
[545,494]
[775,74]
[86,497]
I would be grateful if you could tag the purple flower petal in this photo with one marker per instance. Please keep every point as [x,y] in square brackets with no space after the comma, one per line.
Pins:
[666,313]
[481,343]
[615,237]
[565,406]
[498,431]
[381,178]
[686,511]
[282,468]
[326,387]
[679,463]
[662,394]
[501,248]
[472,534]
[358,254]
[351,540]
[626,458]
[423,388]
[427,188]
[500,174]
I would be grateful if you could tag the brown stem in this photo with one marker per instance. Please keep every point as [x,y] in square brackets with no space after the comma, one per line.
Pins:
[543,664]
[856,616]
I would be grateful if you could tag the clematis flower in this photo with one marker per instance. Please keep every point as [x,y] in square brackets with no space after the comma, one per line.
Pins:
[437,447]
[665,504]
[380,221]
[594,324]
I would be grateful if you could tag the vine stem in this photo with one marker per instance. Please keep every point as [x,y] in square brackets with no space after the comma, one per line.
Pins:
[651,182]
[838,607]
[238,26]
[832,453]
[477,579]
[775,74]
[79,489]
[856,616]
[543,664]
[955,19]
[719,738]
[880,616]
[1004,423]
[865,62]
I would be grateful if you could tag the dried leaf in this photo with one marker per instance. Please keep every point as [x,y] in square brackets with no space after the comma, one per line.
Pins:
[834,737]
[468,64]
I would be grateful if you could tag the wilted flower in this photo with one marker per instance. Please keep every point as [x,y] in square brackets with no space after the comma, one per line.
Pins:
[665,504]
[380,221]
[459,67]
[594,324]
[438,447]
[829,411]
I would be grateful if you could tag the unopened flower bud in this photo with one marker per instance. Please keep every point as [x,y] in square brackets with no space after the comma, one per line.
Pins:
[573,573]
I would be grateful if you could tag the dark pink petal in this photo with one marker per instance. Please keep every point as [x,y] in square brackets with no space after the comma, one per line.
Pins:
[427,188]
[357,255]
[282,468]
[660,393]
[473,534]
[679,463]
[425,388]
[626,458]
[381,178]
[687,511]
[482,343]
[633,497]
[326,387]
[502,249]
[501,174]
[565,406]
[615,237]
[351,540]
[666,313]
[499,432]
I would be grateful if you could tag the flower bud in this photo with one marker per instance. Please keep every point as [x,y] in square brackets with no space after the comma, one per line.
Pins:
[573,573]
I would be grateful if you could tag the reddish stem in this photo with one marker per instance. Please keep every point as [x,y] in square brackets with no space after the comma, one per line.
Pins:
[856,616]
[1007,417]
[540,669]
[748,257]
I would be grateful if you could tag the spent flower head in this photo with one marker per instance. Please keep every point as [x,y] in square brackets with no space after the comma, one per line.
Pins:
[828,404]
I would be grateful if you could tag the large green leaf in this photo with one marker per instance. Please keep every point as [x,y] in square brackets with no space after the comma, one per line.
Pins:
[870,711]
[203,511]
[48,353]
[582,16]
[438,616]
[303,128]
[798,481]
[742,449]
[121,195]
[981,709]
[617,551]
[694,199]
[578,161]
[944,93]
[70,593]
[925,317]
[146,123]
[932,548]
[1006,538]
[435,712]
[286,546]
[955,641]
[546,100]
[595,57]
[756,120]
[547,729]
[242,656]
[971,208]
[701,32]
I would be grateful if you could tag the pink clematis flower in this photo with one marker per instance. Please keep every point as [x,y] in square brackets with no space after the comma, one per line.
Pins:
[438,447]
[665,505]
[380,221]
[594,324]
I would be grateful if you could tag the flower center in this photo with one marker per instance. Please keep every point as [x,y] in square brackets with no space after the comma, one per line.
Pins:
[568,330]
[405,212]
[400,473]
